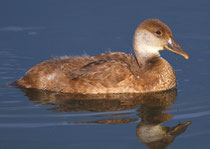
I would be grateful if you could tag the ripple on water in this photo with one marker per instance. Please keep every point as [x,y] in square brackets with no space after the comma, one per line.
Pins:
[66,119]
[192,115]
[20,28]
[10,65]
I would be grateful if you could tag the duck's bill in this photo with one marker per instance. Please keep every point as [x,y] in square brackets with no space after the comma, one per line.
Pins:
[176,48]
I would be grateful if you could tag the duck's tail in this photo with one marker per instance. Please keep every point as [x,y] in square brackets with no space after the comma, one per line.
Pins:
[15,84]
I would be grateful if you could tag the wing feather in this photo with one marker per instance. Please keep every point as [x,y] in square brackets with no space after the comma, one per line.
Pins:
[106,73]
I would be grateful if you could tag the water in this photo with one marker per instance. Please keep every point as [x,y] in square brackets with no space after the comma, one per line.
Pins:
[34,31]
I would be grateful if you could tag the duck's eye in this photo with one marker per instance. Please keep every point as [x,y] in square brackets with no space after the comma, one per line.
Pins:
[158,32]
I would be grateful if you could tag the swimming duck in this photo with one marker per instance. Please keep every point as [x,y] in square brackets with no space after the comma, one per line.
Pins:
[114,72]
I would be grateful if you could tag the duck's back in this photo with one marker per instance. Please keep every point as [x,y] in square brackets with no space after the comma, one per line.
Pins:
[105,73]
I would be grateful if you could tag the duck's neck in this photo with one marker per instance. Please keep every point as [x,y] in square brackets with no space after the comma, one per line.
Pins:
[143,50]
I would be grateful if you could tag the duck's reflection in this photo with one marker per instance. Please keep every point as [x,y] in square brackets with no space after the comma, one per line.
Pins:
[150,108]
[152,133]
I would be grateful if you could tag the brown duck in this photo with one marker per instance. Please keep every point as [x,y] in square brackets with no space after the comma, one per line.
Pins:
[114,72]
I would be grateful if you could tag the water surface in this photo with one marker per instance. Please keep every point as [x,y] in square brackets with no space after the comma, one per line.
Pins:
[34,31]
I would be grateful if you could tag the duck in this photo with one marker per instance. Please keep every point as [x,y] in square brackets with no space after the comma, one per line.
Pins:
[113,72]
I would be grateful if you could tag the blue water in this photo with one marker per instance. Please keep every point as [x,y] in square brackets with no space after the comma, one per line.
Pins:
[34,31]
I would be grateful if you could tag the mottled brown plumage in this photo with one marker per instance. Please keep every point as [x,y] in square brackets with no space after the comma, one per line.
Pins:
[115,72]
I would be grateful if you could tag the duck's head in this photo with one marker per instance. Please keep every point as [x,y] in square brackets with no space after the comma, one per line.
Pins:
[151,36]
